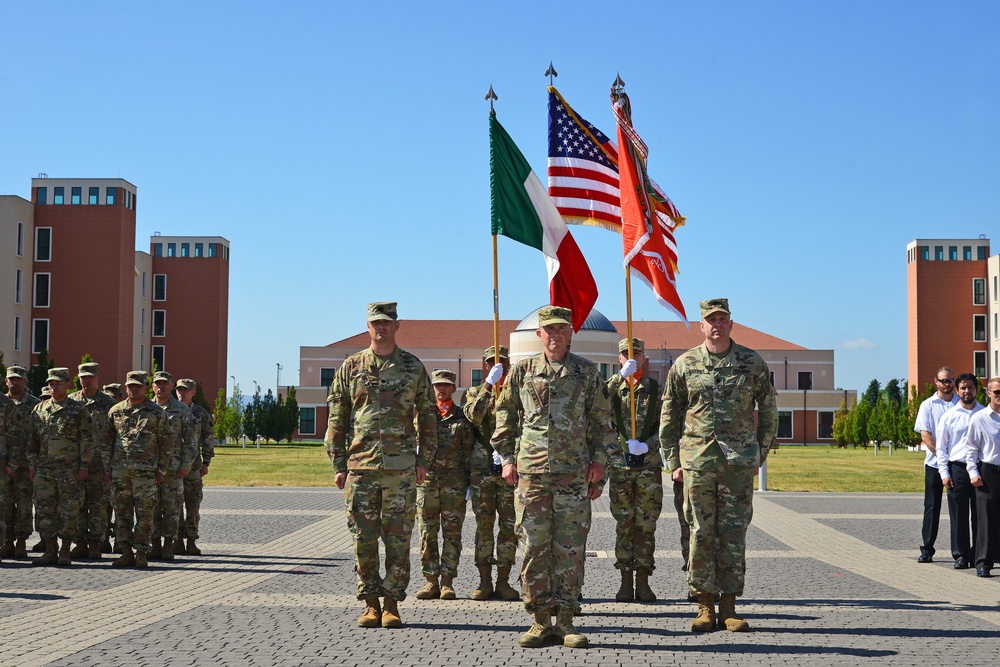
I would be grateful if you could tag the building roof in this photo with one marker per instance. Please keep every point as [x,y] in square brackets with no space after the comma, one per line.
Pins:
[594,322]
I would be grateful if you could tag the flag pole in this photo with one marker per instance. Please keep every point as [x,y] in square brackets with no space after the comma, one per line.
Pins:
[490,95]
[618,89]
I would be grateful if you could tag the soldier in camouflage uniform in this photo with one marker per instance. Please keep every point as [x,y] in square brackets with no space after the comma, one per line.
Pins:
[6,405]
[140,460]
[382,398]
[17,508]
[170,491]
[441,496]
[710,442]
[557,404]
[635,471]
[193,491]
[96,490]
[492,497]
[114,390]
[60,447]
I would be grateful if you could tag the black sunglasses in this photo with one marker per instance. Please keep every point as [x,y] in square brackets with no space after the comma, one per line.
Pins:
[946,380]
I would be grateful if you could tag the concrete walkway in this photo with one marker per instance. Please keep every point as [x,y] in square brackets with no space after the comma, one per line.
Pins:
[832,579]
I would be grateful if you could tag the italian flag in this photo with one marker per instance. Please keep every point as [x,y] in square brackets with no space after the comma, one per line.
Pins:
[523,211]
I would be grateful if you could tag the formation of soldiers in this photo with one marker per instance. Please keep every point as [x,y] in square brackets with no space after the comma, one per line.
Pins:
[70,460]
[532,447]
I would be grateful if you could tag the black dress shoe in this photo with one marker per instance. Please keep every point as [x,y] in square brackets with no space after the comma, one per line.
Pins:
[925,558]
[983,572]
[962,564]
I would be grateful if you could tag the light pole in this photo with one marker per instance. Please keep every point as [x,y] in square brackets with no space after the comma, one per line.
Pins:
[277,379]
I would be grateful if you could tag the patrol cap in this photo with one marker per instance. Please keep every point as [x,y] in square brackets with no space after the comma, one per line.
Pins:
[554,315]
[443,376]
[714,306]
[638,345]
[17,372]
[112,388]
[489,353]
[88,369]
[137,377]
[186,383]
[382,310]
[58,375]
[46,391]
[163,375]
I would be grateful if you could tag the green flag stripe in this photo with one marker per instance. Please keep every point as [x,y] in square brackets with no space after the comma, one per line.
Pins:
[513,214]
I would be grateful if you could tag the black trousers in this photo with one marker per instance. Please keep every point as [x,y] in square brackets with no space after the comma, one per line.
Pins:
[988,516]
[932,509]
[962,512]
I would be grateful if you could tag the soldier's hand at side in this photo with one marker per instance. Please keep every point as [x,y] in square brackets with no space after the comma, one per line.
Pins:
[8,471]
[31,474]
[81,475]
[204,470]
[948,484]
[677,475]
[595,473]
[509,474]
[159,478]
[183,472]
[594,492]
[976,481]
[340,479]
[421,474]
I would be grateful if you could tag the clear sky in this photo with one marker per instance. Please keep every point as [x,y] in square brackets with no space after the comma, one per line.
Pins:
[342,148]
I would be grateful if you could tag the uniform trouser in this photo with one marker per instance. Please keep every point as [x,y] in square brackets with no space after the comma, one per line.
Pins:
[4,501]
[962,512]
[636,498]
[932,509]
[167,515]
[493,504]
[57,504]
[988,516]
[95,496]
[192,493]
[682,522]
[381,503]
[719,506]
[17,506]
[135,497]
[441,509]
[553,520]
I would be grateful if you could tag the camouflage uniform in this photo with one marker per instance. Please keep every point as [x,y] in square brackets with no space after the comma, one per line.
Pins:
[561,413]
[441,498]
[6,405]
[193,491]
[143,447]
[17,508]
[170,491]
[707,427]
[61,444]
[96,489]
[492,497]
[386,405]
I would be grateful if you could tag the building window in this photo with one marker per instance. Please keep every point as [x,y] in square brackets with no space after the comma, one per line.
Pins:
[307,421]
[39,336]
[57,195]
[995,328]
[109,196]
[75,195]
[939,252]
[158,356]
[92,196]
[979,363]
[198,249]
[185,250]
[925,252]
[159,287]
[824,424]
[994,289]
[20,239]
[142,321]
[326,376]
[784,423]
[42,290]
[979,328]
[18,283]
[805,380]
[143,284]
[604,371]
[981,252]
[953,253]
[979,291]
[211,249]
[43,244]
[17,333]
[171,250]
[771,377]
[967,253]
[996,361]
[42,196]
[477,377]
[157,250]
[159,324]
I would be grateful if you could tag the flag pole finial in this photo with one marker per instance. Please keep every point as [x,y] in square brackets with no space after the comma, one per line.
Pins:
[619,85]
[551,72]
[491,96]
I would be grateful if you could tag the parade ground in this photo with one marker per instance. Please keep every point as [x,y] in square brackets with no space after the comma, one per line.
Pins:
[832,579]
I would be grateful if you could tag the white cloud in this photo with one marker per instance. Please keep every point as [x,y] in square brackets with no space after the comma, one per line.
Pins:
[858,344]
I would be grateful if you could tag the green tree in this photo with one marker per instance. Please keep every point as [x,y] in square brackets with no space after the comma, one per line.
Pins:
[38,374]
[221,415]
[842,424]
[150,394]
[871,393]
[291,415]
[251,417]
[267,414]
[199,396]
[234,415]
[859,426]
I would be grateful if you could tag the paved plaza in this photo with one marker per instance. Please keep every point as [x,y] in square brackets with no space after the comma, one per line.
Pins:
[831,580]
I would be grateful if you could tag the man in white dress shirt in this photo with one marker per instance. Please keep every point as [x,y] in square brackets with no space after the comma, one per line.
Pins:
[983,463]
[926,423]
[952,431]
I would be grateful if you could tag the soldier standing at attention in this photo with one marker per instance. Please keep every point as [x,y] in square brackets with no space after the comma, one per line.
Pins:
[59,452]
[384,399]
[441,496]
[141,457]
[170,490]
[96,490]
[17,509]
[554,406]
[194,488]
[636,485]
[6,405]
[492,497]
[709,441]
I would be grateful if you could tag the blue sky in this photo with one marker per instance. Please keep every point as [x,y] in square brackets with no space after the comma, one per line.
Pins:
[343,149]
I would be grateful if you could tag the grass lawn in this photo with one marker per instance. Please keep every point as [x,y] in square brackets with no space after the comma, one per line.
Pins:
[789,468]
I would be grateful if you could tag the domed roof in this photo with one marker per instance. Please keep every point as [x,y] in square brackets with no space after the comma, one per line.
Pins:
[595,322]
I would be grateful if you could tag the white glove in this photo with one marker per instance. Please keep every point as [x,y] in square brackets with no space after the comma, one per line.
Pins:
[628,369]
[494,375]
[635,447]
[496,459]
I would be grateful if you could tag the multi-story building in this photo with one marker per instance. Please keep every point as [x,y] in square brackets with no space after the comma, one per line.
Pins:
[804,378]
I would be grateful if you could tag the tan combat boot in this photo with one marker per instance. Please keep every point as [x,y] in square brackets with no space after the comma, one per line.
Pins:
[727,614]
[430,591]
[141,559]
[485,588]
[49,557]
[192,548]
[156,553]
[94,550]
[106,547]
[625,592]
[390,614]
[39,546]
[447,590]
[372,616]
[178,547]
[65,554]
[705,620]
[167,552]
[79,552]
[539,633]
[127,559]
[564,630]
[20,548]
[642,590]
[503,588]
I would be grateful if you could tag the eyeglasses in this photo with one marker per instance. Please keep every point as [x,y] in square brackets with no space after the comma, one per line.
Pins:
[946,380]
[995,392]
